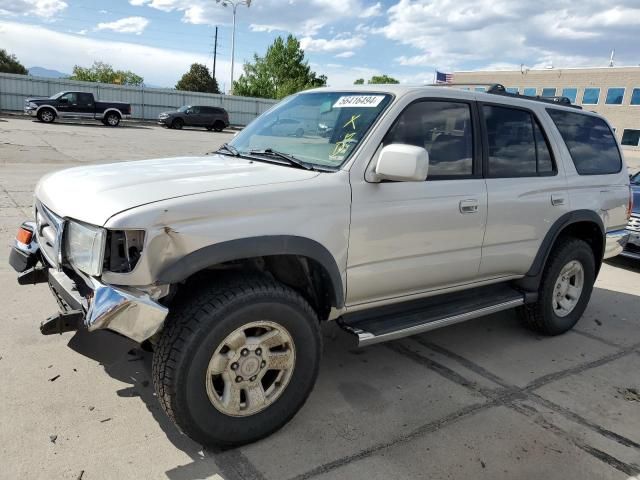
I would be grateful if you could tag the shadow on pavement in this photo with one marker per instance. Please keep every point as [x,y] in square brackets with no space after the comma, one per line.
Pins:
[123,360]
[624,262]
[342,366]
[98,124]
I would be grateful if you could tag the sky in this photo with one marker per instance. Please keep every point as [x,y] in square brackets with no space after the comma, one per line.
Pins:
[342,39]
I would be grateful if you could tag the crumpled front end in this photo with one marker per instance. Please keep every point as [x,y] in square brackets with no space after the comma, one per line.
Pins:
[84,301]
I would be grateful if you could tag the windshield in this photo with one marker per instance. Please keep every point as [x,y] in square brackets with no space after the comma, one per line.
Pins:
[53,97]
[184,108]
[319,128]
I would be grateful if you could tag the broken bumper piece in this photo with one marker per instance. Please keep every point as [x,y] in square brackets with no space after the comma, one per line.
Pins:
[127,311]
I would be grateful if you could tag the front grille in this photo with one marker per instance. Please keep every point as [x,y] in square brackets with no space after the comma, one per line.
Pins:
[49,229]
[634,223]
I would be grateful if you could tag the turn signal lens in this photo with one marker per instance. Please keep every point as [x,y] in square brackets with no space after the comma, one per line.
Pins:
[24,236]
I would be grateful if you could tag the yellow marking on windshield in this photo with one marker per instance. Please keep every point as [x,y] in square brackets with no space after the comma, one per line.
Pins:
[352,122]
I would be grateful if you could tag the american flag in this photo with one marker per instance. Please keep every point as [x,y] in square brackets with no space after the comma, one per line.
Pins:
[444,77]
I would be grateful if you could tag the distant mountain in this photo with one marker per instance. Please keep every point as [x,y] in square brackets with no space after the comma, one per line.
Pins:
[46,72]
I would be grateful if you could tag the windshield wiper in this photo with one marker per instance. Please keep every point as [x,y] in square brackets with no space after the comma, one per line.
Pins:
[270,152]
[229,148]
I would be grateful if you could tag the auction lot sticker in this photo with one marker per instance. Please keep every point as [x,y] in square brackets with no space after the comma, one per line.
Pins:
[369,101]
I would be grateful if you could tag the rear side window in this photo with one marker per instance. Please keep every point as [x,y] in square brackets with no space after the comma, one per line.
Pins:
[444,129]
[517,146]
[590,142]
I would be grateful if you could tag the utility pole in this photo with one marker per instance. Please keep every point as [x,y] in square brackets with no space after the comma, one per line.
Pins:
[234,5]
[215,52]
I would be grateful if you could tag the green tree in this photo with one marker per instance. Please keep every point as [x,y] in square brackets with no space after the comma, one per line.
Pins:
[104,73]
[282,71]
[359,81]
[378,79]
[10,64]
[198,79]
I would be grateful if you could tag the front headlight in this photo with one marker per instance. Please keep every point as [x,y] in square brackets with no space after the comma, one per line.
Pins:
[32,105]
[164,115]
[84,247]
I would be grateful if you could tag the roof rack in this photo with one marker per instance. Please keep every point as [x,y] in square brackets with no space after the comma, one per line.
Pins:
[498,89]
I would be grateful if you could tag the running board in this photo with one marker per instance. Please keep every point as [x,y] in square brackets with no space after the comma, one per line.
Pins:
[410,318]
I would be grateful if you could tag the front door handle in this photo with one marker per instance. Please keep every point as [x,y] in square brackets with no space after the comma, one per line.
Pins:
[557,200]
[469,206]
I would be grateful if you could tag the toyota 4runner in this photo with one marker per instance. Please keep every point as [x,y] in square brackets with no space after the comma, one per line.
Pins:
[405,210]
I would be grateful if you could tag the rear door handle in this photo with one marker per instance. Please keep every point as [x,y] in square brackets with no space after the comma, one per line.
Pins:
[557,200]
[469,206]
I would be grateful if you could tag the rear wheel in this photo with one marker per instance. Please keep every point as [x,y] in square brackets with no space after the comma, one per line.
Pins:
[178,123]
[112,119]
[218,126]
[565,289]
[237,361]
[46,115]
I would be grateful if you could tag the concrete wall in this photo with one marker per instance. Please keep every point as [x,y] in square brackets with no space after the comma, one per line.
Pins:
[621,116]
[147,103]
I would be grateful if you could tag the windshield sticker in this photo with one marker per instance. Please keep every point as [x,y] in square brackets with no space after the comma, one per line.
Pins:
[368,101]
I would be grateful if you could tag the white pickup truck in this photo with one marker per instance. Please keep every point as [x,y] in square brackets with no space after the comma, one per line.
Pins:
[399,210]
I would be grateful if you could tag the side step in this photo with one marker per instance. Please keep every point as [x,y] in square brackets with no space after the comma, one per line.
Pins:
[410,318]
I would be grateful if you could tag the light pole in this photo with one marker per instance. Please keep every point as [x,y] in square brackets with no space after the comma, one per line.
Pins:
[234,5]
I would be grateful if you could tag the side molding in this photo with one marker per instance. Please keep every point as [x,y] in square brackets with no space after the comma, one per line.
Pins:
[256,247]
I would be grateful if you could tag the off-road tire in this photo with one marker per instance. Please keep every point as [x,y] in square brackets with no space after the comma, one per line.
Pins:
[540,315]
[178,123]
[198,324]
[46,115]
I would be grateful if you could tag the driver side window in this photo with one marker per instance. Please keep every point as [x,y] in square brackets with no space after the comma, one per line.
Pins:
[444,129]
[69,97]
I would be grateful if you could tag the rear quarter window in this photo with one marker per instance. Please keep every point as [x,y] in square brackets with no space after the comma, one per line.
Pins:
[590,142]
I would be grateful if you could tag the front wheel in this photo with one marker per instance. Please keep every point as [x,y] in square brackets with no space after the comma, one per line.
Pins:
[565,289]
[236,362]
[46,115]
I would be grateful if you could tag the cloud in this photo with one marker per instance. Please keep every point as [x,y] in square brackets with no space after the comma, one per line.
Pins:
[125,25]
[158,66]
[347,54]
[39,8]
[339,42]
[372,11]
[302,17]
[476,33]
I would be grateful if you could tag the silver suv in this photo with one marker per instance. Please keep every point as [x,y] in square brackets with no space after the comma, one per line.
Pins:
[399,210]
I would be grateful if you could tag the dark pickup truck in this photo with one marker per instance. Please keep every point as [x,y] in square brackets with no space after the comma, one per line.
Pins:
[76,105]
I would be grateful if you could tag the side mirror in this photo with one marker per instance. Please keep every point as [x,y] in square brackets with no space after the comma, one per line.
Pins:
[402,163]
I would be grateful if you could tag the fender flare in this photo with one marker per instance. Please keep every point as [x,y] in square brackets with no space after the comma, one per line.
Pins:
[250,247]
[111,109]
[46,105]
[532,278]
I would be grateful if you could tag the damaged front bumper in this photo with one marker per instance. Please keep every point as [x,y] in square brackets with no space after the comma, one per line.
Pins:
[86,302]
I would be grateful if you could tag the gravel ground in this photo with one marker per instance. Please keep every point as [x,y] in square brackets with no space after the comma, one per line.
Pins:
[485,399]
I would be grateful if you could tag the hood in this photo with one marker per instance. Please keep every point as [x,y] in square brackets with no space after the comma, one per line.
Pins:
[94,194]
[39,100]
[170,112]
